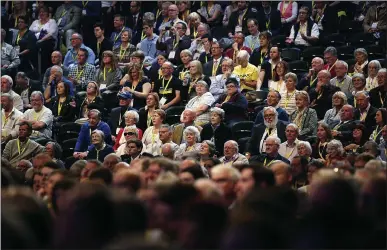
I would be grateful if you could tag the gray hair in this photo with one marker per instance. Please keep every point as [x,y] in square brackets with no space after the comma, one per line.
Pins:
[360,50]
[57,149]
[304,94]
[202,83]
[99,132]
[187,52]
[149,17]
[270,108]
[211,146]
[79,36]
[205,26]
[363,92]
[218,111]
[10,98]
[243,54]
[331,50]
[293,76]
[326,72]
[234,143]
[57,68]
[336,144]
[133,113]
[22,75]
[117,158]
[359,75]
[377,165]
[194,15]
[319,59]
[231,171]
[343,63]
[275,139]
[8,78]
[293,125]
[306,144]
[38,93]
[341,95]
[191,129]
[377,63]
[166,126]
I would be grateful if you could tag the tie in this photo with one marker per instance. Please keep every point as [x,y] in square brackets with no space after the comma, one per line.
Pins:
[134,21]
[215,68]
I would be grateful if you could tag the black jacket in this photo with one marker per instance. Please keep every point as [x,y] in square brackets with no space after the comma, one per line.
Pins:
[324,102]
[67,112]
[207,68]
[220,135]
[369,121]
[266,160]
[167,47]
[378,97]
[274,23]
[256,136]
[233,22]
[345,130]
[142,122]
[98,103]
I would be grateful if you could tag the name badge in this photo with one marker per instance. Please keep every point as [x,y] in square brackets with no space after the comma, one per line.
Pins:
[17,49]
[102,86]
[172,55]
[162,101]
[84,12]
[374,25]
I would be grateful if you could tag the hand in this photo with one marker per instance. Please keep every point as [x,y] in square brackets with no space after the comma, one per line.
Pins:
[230,35]
[83,155]
[235,46]
[218,105]
[311,73]
[76,155]
[248,156]
[289,40]
[5,66]
[73,104]
[52,78]
[39,41]
[303,36]
[335,133]
[164,107]
[113,138]
[27,106]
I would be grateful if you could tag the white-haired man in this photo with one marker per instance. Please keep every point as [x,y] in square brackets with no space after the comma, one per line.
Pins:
[342,80]
[247,72]
[288,149]
[310,79]
[226,179]
[6,87]
[187,119]
[232,155]
[272,144]
[364,111]
[9,56]
[271,127]
[10,118]
[378,95]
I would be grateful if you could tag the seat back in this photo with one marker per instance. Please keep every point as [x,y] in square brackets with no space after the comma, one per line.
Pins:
[334,40]
[291,54]
[242,129]
[310,52]
[298,66]
[68,130]
[279,41]
[242,144]
[110,99]
[173,114]
[68,147]
[361,39]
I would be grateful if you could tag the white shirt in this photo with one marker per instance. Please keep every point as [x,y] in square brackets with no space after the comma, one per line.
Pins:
[194,103]
[44,115]
[262,144]
[151,141]
[51,27]
[10,125]
[17,101]
[276,86]
[299,40]
[287,151]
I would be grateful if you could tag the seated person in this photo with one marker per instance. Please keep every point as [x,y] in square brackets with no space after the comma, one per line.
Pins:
[6,87]
[231,154]
[187,119]
[131,119]
[342,129]
[39,116]
[82,72]
[201,103]
[273,99]
[56,76]
[10,119]
[187,91]
[26,86]
[309,80]
[72,55]
[247,73]
[129,133]
[271,127]
[63,105]
[92,100]
[9,57]
[364,111]
[22,148]
[271,155]
[237,46]
[84,140]
[98,148]
[267,68]
[342,80]
[305,32]
[218,83]
[233,103]
[108,75]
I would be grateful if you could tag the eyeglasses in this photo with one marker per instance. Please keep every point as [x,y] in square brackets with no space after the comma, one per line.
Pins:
[269,116]
[128,133]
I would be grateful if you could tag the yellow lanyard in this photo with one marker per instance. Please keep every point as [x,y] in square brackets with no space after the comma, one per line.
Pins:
[291,152]
[104,73]
[143,36]
[195,33]
[84,4]
[240,19]
[189,148]
[339,83]
[363,116]
[63,13]
[318,17]
[253,44]
[312,81]
[59,106]
[76,56]
[5,118]
[160,75]
[264,163]
[215,69]
[226,99]
[279,84]
[319,151]
[124,51]
[37,115]
[269,134]
[154,135]
[268,25]
[18,39]
[135,86]
[381,99]
[375,134]
[320,94]
[118,35]
[98,47]
[175,43]
[263,55]
[21,150]
[16,19]
[166,87]
[333,65]
[287,99]
[148,120]
[158,13]
[79,73]
[190,86]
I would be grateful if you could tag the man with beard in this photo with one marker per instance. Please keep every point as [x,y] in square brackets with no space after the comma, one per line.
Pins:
[271,127]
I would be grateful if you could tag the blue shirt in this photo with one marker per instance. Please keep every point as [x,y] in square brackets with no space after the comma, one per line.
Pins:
[71,56]
[115,37]
[252,42]
[148,46]
[84,140]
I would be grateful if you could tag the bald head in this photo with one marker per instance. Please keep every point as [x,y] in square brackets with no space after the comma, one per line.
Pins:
[188,117]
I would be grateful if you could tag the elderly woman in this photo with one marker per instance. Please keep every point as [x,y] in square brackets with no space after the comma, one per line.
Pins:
[93,100]
[359,84]
[339,99]
[371,80]
[130,133]
[304,150]
[381,121]
[201,103]
[335,152]
[191,136]
[216,130]
[288,97]
[136,83]
[280,71]
[186,58]
[233,103]
[207,150]
[194,21]
[123,51]
[150,138]
[184,10]
[361,65]
[98,149]
[131,119]
[304,117]
[187,91]
[146,113]
[108,75]
[54,150]
[324,135]
[218,83]
[211,12]
[247,73]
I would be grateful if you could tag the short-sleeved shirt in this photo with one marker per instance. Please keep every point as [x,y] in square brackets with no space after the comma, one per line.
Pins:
[167,89]
[44,115]
[250,73]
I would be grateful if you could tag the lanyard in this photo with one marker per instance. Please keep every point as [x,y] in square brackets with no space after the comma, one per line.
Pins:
[118,35]
[104,73]
[148,120]
[122,50]
[195,33]
[37,115]
[329,69]
[143,36]
[158,13]
[166,87]
[339,83]
[214,70]
[175,43]
[312,81]
[268,25]
[381,99]
[252,45]
[279,85]
[319,151]
[5,118]
[59,106]
[269,134]
[21,150]
[263,55]
[291,152]
[240,19]
[18,38]
[264,163]
[74,57]
[16,19]
[288,98]
[375,134]
[79,73]
[84,4]
[63,13]
[98,47]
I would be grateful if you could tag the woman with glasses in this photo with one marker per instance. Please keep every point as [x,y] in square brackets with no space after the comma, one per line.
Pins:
[339,99]
[201,103]
[130,133]
[93,100]
[54,150]
[261,54]
[108,75]
[125,49]
[136,83]
[131,119]
[189,82]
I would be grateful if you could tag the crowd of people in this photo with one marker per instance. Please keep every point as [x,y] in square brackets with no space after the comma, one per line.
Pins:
[193,124]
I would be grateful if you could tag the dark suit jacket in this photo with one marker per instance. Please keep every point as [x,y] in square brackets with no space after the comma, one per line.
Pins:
[207,68]
[275,21]
[105,45]
[378,97]
[256,136]
[346,131]
[114,121]
[98,103]
[67,112]
[265,159]
[324,103]
[233,22]
[142,122]
[136,29]
[370,121]
[184,43]
[221,135]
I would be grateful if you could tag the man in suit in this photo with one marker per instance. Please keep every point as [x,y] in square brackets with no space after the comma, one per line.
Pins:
[365,112]
[378,95]
[272,144]
[214,67]
[271,127]
[26,86]
[117,115]
[134,20]
[342,130]
[238,19]
[310,79]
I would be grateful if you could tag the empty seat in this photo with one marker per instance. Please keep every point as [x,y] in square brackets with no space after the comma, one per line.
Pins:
[241,129]
[350,26]
[361,39]
[279,41]
[375,52]
[80,95]
[310,52]
[333,40]
[110,99]
[68,130]
[242,144]
[173,114]
[68,147]
[43,140]
[291,54]
[298,66]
